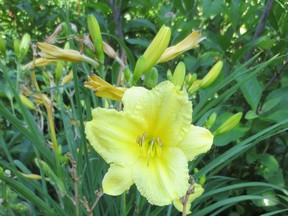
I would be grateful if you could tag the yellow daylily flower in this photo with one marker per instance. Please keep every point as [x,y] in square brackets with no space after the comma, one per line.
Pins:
[197,191]
[149,143]
[190,42]
[102,88]
[55,53]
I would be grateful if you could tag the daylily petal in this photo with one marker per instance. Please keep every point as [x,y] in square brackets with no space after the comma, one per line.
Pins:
[162,179]
[132,96]
[197,141]
[117,180]
[113,135]
[167,111]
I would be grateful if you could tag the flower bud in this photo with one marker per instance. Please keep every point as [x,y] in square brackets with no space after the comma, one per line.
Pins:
[153,52]
[190,78]
[95,33]
[179,75]
[138,71]
[190,42]
[194,87]
[3,46]
[151,79]
[211,120]
[16,45]
[24,45]
[229,124]
[127,73]
[169,75]
[27,102]
[212,75]
[58,71]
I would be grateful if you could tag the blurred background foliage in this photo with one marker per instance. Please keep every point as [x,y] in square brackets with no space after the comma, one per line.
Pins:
[246,171]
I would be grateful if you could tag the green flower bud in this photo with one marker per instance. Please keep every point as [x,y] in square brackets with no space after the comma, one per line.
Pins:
[212,75]
[27,102]
[153,52]
[138,71]
[127,73]
[24,45]
[179,75]
[3,46]
[229,124]
[211,120]
[95,33]
[151,79]
[17,48]
[58,71]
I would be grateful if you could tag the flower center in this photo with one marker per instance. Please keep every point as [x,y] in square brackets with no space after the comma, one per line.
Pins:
[150,146]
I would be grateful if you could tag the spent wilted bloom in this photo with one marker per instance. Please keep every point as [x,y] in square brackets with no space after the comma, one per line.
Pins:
[149,143]
[102,88]
[197,191]
[55,53]
[39,62]
[190,42]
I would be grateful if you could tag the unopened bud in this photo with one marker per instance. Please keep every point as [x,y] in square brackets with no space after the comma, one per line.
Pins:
[179,75]
[153,52]
[58,71]
[16,46]
[151,79]
[194,87]
[27,102]
[127,73]
[24,45]
[212,75]
[190,78]
[138,71]
[229,124]
[211,120]
[95,33]
[3,46]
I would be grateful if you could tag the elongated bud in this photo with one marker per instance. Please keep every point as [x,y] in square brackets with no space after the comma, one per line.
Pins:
[95,33]
[32,176]
[27,102]
[24,45]
[211,120]
[229,124]
[151,79]
[3,46]
[212,75]
[153,52]
[179,75]
[58,71]
[138,71]
[16,45]
[127,73]
[194,87]
[39,62]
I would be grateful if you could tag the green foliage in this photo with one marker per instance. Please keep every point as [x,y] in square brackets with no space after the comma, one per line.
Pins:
[246,171]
